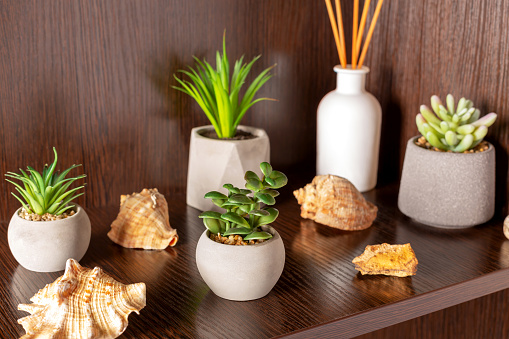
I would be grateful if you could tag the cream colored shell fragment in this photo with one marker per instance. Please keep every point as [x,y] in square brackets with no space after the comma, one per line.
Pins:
[83,303]
[143,222]
[335,202]
[386,259]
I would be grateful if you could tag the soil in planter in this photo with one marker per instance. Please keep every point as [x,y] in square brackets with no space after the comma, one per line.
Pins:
[240,135]
[234,240]
[422,142]
[45,217]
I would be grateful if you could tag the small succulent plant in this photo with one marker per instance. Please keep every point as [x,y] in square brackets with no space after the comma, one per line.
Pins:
[218,91]
[244,212]
[451,128]
[46,192]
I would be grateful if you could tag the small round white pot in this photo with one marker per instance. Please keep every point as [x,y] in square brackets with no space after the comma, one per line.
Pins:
[447,190]
[45,246]
[241,273]
[213,162]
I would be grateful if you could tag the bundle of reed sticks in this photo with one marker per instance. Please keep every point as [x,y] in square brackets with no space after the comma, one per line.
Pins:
[357,32]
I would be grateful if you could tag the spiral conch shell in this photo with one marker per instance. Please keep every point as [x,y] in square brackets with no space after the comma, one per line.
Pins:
[83,303]
[143,222]
[335,202]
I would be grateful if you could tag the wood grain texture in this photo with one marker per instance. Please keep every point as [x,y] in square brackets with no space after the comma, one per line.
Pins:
[485,317]
[93,78]
[319,294]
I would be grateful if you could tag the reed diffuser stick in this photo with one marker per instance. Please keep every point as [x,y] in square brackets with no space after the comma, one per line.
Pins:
[354,31]
[335,31]
[364,16]
[341,31]
[370,32]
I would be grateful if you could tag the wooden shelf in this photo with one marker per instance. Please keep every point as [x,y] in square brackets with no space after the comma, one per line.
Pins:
[319,294]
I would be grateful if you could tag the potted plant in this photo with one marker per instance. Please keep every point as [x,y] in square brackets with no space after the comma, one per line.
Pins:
[47,229]
[225,149]
[240,256]
[448,177]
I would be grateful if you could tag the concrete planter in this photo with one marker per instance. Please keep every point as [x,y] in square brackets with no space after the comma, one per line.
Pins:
[447,190]
[45,246]
[241,273]
[214,162]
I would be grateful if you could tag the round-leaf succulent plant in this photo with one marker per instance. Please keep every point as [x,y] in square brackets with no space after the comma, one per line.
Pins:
[244,212]
[46,192]
[453,128]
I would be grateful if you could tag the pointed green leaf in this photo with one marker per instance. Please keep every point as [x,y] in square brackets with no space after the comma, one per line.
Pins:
[265,198]
[265,220]
[260,213]
[210,215]
[240,199]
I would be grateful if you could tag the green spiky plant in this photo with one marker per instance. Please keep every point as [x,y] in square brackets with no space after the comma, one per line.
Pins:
[219,95]
[453,128]
[244,214]
[46,192]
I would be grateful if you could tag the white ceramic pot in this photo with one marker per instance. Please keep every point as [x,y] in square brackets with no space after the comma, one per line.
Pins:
[241,273]
[447,190]
[215,162]
[45,246]
[349,122]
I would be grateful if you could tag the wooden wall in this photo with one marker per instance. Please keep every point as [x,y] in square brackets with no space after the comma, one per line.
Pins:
[93,79]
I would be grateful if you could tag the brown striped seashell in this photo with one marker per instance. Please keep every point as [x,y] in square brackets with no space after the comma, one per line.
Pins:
[83,303]
[143,222]
[335,202]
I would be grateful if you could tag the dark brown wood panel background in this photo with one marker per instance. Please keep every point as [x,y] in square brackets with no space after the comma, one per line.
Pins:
[93,78]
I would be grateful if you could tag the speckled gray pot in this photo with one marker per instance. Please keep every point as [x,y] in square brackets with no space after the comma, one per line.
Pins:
[241,273]
[45,246]
[447,190]
[214,162]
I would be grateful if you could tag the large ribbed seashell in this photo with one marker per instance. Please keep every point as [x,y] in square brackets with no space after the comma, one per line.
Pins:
[335,202]
[83,303]
[143,222]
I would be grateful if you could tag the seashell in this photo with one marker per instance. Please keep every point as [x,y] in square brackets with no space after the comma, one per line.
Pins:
[506,227]
[395,260]
[143,222]
[335,202]
[83,303]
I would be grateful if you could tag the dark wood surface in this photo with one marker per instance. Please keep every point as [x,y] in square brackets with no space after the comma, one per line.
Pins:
[94,77]
[320,294]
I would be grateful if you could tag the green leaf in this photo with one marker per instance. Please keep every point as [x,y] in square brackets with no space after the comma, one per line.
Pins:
[266,168]
[231,188]
[215,226]
[258,236]
[265,220]
[236,219]
[215,195]
[265,198]
[210,215]
[49,173]
[64,203]
[240,199]
[269,181]
[237,230]
[38,178]
[22,203]
[245,192]
[279,178]
[254,185]
[55,204]
[250,175]
[218,202]
[272,192]
[260,213]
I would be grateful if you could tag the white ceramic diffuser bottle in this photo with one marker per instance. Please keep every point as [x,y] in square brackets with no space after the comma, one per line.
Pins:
[348,130]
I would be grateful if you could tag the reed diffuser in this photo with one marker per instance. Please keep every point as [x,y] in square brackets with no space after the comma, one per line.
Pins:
[349,118]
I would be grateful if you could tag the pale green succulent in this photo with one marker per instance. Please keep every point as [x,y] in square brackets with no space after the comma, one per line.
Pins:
[455,129]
